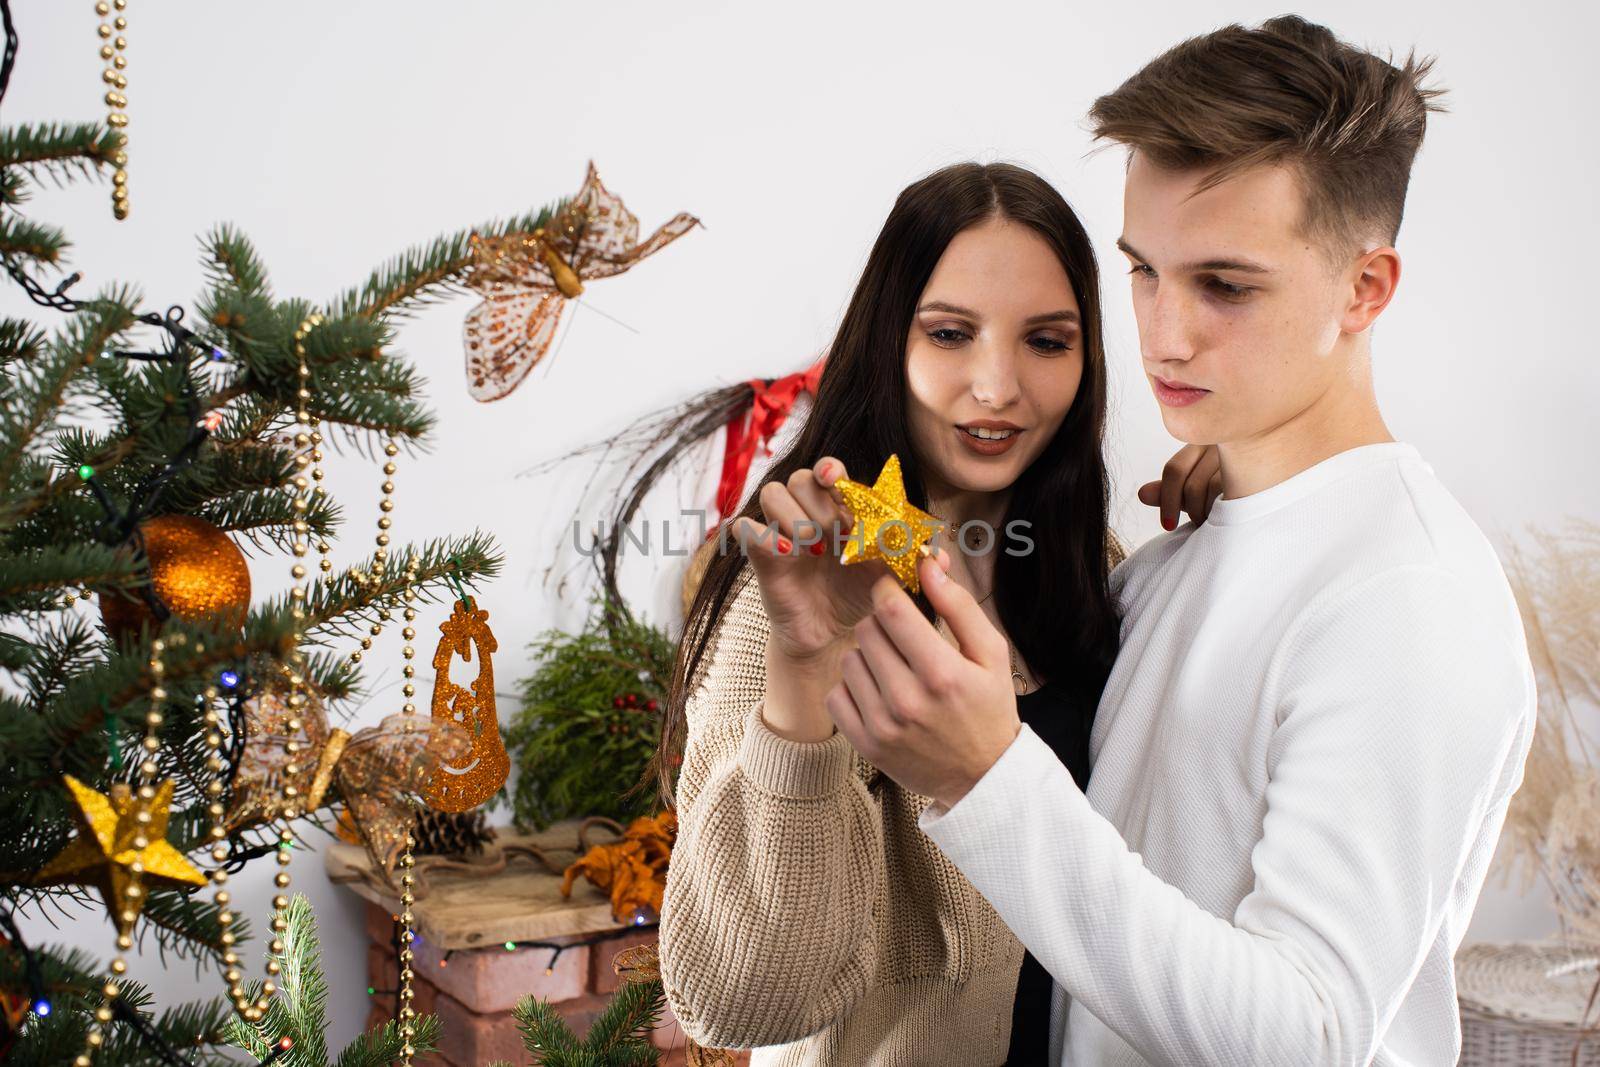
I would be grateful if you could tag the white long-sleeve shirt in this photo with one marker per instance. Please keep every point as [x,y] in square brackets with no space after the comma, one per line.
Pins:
[1301,764]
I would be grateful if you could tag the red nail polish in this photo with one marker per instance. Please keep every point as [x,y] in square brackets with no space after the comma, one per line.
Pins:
[817,548]
[1168,524]
[785,545]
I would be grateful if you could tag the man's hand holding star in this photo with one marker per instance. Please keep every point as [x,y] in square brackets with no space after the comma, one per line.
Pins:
[933,717]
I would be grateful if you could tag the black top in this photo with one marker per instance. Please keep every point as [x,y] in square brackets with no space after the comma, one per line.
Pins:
[1062,719]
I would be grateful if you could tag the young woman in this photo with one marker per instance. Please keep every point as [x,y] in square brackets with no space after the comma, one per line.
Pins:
[803,908]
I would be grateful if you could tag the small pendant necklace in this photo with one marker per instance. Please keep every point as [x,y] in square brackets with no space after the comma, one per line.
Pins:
[1019,681]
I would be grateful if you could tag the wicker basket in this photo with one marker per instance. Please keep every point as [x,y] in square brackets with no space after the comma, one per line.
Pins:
[1522,1005]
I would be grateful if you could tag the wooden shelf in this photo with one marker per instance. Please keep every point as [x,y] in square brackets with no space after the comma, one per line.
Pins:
[474,909]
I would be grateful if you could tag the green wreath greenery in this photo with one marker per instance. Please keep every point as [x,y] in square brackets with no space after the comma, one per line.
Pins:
[589,719]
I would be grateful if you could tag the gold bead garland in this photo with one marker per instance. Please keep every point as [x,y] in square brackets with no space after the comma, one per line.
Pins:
[133,890]
[380,555]
[307,440]
[250,1012]
[406,1015]
[151,746]
[115,44]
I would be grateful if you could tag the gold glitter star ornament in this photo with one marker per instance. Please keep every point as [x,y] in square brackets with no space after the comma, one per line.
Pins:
[886,525]
[107,854]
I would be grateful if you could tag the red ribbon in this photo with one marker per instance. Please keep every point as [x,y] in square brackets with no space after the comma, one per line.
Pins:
[769,406]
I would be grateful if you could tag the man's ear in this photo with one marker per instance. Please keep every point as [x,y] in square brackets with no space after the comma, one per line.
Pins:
[1374,277]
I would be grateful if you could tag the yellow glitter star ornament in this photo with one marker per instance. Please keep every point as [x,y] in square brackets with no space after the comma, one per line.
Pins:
[106,851]
[886,525]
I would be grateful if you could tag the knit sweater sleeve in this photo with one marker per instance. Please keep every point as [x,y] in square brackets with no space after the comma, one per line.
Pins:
[767,925]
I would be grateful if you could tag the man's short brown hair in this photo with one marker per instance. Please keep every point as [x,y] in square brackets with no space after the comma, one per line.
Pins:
[1289,92]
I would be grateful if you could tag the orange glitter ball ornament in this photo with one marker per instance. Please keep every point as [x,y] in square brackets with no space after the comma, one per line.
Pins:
[196,572]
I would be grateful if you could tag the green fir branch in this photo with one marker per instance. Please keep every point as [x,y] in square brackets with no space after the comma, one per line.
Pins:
[31,581]
[266,521]
[71,980]
[24,239]
[57,650]
[38,393]
[299,1010]
[19,340]
[619,1036]
[15,652]
[61,151]
[74,702]
[544,1032]
[427,273]
[635,1010]
[14,189]
[348,602]
[231,260]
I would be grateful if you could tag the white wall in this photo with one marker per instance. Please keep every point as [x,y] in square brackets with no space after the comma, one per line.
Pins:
[337,135]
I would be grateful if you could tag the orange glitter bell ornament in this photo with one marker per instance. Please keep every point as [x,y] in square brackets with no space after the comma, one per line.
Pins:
[197,573]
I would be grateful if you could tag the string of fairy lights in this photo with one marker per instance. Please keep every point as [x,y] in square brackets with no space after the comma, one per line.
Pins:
[556,949]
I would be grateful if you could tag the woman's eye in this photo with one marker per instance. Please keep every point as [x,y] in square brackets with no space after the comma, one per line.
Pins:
[1051,344]
[947,335]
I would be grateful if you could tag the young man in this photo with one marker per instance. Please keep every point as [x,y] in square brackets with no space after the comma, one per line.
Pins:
[1303,757]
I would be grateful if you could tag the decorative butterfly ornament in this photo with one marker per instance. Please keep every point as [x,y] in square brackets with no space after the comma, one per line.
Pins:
[526,278]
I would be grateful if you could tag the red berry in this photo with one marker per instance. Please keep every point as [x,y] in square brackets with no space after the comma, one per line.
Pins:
[633,698]
[650,705]
[616,702]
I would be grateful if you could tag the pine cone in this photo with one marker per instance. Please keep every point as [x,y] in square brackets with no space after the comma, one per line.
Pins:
[449,833]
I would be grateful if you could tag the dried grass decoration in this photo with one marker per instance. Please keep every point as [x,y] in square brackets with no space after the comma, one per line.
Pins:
[1553,824]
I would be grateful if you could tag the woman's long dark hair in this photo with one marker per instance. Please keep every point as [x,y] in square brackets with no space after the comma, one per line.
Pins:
[1054,602]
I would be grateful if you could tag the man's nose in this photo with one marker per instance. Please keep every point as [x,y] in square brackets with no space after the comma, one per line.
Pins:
[1167,332]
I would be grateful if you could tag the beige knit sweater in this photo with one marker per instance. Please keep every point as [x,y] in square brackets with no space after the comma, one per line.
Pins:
[803,909]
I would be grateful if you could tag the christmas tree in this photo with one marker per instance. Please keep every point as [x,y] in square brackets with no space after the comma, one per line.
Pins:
[139,451]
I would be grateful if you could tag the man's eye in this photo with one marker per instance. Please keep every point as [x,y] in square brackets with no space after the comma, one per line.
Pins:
[1143,270]
[1227,290]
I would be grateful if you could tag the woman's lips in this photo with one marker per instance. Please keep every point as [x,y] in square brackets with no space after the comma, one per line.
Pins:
[1177,396]
[981,447]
